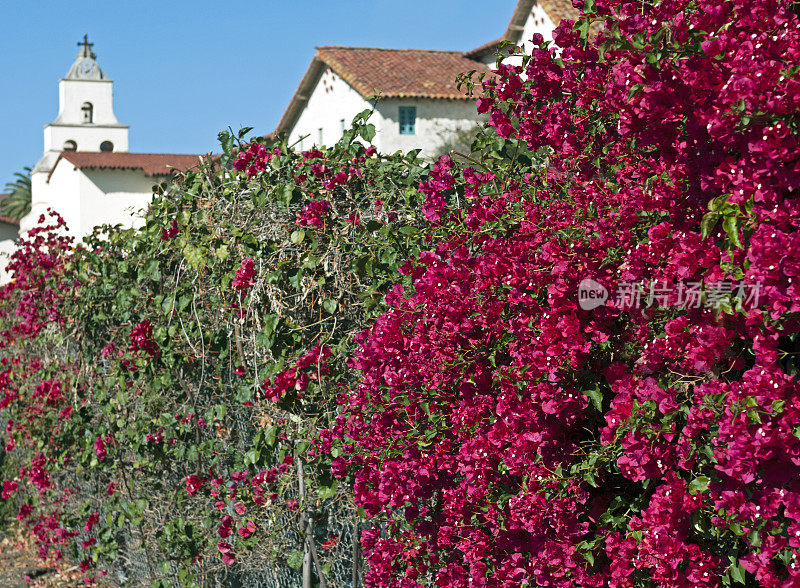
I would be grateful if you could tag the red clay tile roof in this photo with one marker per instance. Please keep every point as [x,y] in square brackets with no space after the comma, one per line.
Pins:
[485,49]
[394,73]
[399,73]
[152,164]
[558,10]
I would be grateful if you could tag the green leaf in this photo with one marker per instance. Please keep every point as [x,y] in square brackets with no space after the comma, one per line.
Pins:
[297,236]
[160,334]
[266,337]
[698,485]
[737,573]
[295,559]
[270,435]
[222,252]
[226,142]
[731,226]
[708,223]
[252,457]
[244,394]
[367,133]
[326,492]
[330,306]
[362,117]
[589,478]
[287,192]
[596,396]
[152,270]
[195,256]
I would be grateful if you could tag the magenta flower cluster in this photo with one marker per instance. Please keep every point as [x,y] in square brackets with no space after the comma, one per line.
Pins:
[507,437]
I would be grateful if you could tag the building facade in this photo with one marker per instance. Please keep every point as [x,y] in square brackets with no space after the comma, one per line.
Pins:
[420,105]
[414,94]
[86,173]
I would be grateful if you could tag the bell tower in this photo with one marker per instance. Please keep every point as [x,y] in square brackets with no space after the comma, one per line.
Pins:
[86,120]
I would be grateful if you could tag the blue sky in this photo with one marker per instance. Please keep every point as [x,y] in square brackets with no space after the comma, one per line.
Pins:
[184,70]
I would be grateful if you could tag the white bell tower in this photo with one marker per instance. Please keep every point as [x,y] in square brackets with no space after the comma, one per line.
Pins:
[86,120]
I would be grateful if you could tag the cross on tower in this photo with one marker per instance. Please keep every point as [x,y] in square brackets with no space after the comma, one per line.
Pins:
[87,46]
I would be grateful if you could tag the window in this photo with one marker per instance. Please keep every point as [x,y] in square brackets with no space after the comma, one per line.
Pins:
[319,138]
[106,146]
[88,111]
[408,120]
[70,145]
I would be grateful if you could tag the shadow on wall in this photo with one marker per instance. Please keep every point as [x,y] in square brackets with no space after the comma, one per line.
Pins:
[459,141]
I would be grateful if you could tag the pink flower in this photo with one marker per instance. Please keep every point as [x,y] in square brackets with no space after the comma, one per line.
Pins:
[330,542]
[247,530]
[9,488]
[339,467]
[193,484]
[91,521]
[171,231]
[141,337]
[88,543]
[245,275]
[100,448]
[313,213]
[24,511]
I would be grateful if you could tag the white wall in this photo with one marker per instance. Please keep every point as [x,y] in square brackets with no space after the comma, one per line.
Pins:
[332,100]
[436,119]
[114,196]
[69,125]
[87,137]
[7,247]
[538,22]
[73,93]
[87,198]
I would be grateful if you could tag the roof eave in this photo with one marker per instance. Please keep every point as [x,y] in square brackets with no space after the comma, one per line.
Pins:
[489,48]
[52,169]
[518,20]
[301,96]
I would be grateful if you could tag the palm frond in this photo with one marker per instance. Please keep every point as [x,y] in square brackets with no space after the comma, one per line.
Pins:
[18,203]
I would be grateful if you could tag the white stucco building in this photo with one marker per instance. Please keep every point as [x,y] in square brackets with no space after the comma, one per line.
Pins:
[420,105]
[86,173]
